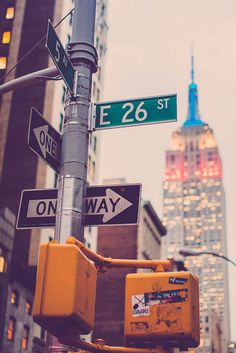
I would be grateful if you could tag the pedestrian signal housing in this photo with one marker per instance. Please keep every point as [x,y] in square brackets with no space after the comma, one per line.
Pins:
[65,293]
[162,307]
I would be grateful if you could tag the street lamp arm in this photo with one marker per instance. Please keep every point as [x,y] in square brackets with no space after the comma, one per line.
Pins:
[223,257]
[29,79]
[187,252]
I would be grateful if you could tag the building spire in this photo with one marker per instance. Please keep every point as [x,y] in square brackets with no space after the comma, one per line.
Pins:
[193,117]
[192,69]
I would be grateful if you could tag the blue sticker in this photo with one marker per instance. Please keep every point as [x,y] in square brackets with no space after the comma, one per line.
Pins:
[176,280]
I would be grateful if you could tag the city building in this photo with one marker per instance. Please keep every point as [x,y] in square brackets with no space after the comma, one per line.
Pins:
[7,225]
[194,214]
[141,241]
[232,347]
[216,332]
[16,290]
[23,27]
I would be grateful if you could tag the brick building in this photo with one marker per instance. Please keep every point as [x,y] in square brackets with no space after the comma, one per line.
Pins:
[142,241]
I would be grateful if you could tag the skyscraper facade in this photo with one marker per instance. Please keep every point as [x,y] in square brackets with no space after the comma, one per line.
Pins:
[194,214]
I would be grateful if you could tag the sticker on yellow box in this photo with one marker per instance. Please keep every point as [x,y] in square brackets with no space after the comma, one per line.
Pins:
[139,308]
[165,297]
[177,280]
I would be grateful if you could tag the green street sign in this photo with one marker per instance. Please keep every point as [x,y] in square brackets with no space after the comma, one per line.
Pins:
[60,57]
[140,111]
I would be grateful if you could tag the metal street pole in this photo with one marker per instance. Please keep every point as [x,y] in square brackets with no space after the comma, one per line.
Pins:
[73,170]
[75,138]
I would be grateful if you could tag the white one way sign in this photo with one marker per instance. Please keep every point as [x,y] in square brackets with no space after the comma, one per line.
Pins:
[104,205]
[108,206]
[44,140]
[46,143]
[42,208]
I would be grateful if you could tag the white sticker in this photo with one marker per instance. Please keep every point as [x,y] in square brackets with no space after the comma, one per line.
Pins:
[138,306]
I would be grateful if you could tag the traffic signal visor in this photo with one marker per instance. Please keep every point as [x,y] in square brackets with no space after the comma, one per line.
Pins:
[65,292]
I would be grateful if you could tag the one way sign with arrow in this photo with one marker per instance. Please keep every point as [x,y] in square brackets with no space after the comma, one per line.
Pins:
[104,205]
[112,204]
[44,140]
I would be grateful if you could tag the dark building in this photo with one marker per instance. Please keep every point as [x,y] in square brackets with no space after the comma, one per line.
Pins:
[23,23]
[16,291]
[19,168]
[142,241]
[18,330]
[7,228]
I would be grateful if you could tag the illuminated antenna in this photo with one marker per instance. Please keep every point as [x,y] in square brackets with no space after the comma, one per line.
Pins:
[192,66]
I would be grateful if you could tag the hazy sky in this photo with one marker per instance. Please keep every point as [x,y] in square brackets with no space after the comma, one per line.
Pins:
[149,53]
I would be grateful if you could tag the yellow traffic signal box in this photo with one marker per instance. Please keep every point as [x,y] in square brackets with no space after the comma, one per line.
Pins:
[64,301]
[162,307]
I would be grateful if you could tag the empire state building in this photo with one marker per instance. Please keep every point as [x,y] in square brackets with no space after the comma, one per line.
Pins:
[194,214]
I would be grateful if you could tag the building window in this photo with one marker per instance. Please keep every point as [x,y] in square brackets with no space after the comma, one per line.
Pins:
[93,169]
[95,144]
[209,156]
[25,337]
[99,73]
[11,329]
[94,88]
[61,122]
[10,13]
[6,37]
[71,18]
[2,264]
[97,42]
[197,159]
[42,334]
[63,95]
[89,164]
[3,62]
[103,7]
[55,180]
[100,50]
[98,95]
[14,298]
[28,307]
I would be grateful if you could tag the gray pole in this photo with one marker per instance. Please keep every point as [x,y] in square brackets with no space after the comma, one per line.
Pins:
[73,171]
